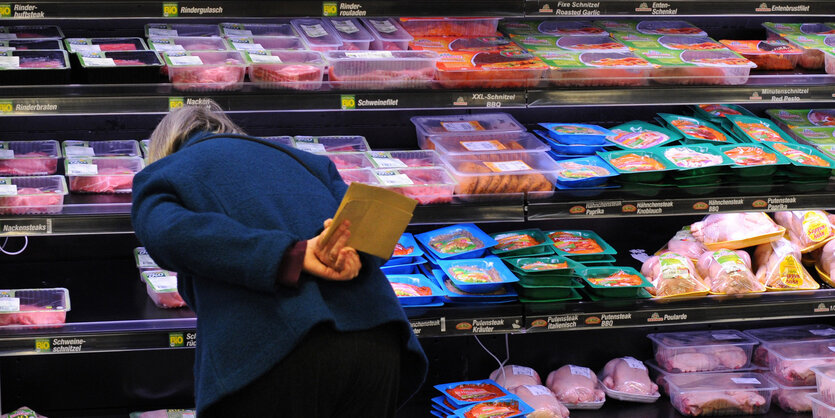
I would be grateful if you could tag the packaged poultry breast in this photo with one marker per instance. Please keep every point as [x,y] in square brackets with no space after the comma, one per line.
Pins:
[102,174]
[757,129]
[639,166]
[720,393]
[180,29]
[684,243]
[695,130]
[673,274]
[114,148]
[229,29]
[778,30]
[520,242]
[32,195]
[823,135]
[576,387]
[414,289]
[809,229]
[768,55]
[736,230]
[671,42]
[28,158]
[507,406]
[696,159]
[723,67]
[814,49]
[450,26]
[659,375]
[471,392]
[162,288]
[511,376]
[427,185]
[599,68]
[717,112]
[456,241]
[102,44]
[487,173]
[481,275]
[805,159]
[541,400]
[728,272]
[791,362]
[779,268]
[381,69]
[627,379]
[34,306]
[700,351]
[489,69]
[583,172]
[753,160]
[206,70]
[295,70]
[480,127]
[602,43]
[794,333]
[792,399]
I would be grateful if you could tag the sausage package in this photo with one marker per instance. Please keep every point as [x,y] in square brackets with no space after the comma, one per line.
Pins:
[779,267]
[809,229]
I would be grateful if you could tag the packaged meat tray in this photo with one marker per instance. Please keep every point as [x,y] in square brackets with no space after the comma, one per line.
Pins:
[641,135]
[699,351]
[733,231]
[551,266]
[230,29]
[206,70]
[603,43]
[576,133]
[651,27]
[508,406]
[406,250]
[360,175]
[768,55]
[672,275]
[490,69]
[27,44]
[627,379]
[31,31]
[723,67]
[102,174]
[29,158]
[580,245]
[638,165]
[165,30]
[352,33]
[349,160]
[32,195]
[696,130]
[496,174]
[670,42]
[115,148]
[414,289]
[821,409]
[188,43]
[810,332]
[825,378]
[427,185]
[451,147]
[472,392]
[443,44]
[162,288]
[829,61]
[34,67]
[317,35]
[403,159]
[144,261]
[34,306]
[478,275]
[388,34]
[295,70]
[779,266]
[576,387]
[791,362]
[481,127]
[659,375]
[456,242]
[103,44]
[262,43]
[114,67]
[333,143]
[518,243]
[758,130]
[717,112]
[450,26]
[698,159]
[583,172]
[381,69]
[813,47]
[792,399]
[753,160]
[809,229]
[790,118]
[595,68]
[728,272]
[814,135]
[805,159]
[614,282]
[720,393]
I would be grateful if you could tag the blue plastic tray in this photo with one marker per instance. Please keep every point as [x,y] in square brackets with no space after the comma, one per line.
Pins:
[451,297]
[416,280]
[462,403]
[473,231]
[597,180]
[487,263]
[523,408]
[408,268]
[582,133]
[572,150]
[438,403]
[408,240]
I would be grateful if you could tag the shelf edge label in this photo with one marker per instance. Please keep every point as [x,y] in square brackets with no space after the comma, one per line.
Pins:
[25,226]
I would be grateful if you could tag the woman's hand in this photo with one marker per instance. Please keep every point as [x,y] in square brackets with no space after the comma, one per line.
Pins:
[333,260]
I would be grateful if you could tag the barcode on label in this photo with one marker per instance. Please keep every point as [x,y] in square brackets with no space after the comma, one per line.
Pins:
[258,58]
[185,60]
[238,32]
[8,36]
[79,151]
[9,62]
[84,48]
[580,371]
[370,54]
[163,284]
[394,179]
[8,190]
[9,304]
[245,46]
[167,47]
[345,26]
[82,169]
[462,126]
[145,260]
[310,146]
[6,153]
[745,381]
[98,62]
[523,371]
[383,26]
[314,31]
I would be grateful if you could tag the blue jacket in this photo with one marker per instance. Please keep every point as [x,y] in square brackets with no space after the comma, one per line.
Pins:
[221,213]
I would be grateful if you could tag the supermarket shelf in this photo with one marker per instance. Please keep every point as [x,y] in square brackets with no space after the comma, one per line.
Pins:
[226,9]
[677,8]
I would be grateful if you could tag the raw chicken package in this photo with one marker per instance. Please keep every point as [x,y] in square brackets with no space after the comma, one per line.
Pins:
[512,375]
[794,333]
[808,229]
[576,387]
[509,406]
[541,400]
[29,158]
[673,274]
[32,195]
[791,362]
[162,288]
[826,264]
[721,393]
[728,272]
[34,306]
[792,399]
[684,243]
[778,266]
[825,378]
[102,174]
[659,375]
[733,231]
[700,351]
[627,379]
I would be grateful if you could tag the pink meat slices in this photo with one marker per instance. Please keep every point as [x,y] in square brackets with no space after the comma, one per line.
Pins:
[31,200]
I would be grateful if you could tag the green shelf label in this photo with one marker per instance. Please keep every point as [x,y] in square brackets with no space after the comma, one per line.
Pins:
[175,339]
[5,10]
[6,106]
[175,103]
[43,345]
[170,10]
[329,9]
[349,102]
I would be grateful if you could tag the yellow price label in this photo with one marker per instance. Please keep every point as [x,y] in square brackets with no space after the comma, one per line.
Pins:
[329,9]
[169,10]
[348,102]
[175,339]
[43,346]
[5,10]
[175,103]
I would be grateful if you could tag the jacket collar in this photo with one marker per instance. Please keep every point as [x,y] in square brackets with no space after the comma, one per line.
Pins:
[196,137]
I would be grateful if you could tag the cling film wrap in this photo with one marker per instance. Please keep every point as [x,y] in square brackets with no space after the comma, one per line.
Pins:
[826,263]
[627,378]
[779,267]
[809,229]
[673,274]
[542,400]
[736,230]
[728,272]
[684,243]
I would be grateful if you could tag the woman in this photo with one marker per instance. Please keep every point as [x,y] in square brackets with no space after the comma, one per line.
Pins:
[287,326]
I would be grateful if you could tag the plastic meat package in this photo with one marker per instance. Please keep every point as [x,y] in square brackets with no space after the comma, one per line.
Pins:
[577,387]
[778,266]
[296,70]
[736,230]
[792,362]
[701,351]
[27,158]
[720,394]
[673,274]
[825,377]
[32,195]
[768,55]
[627,379]
[162,288]
[795,333]
[826,263]
[809,229]
[34,306]
[542,400]
[793,399]
[489,69]
[728,272]
[512,375]
[723,67]
[427,185]
[102,174]
[684,243]
[450,26]
[496,174]
[381,69]
[206,70]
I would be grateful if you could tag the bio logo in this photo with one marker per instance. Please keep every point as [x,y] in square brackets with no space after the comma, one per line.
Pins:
[349,102]
[5,10]
[175,339]
[175,103]
[6,106]
[43,345]
[169,10]
[329,9]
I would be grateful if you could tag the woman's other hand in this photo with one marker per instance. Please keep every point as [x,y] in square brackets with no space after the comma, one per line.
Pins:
[333,260]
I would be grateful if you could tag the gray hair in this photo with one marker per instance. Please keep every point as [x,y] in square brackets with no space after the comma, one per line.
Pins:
[180,124]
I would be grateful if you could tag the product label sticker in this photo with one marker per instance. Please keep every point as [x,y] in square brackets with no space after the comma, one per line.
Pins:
[98,62]
[185,60]
[165,47]
[483,145]
[237,32]
[84,48]
[345,26]
[162,32]
[314,31]
[143,259]
[9,304]
[8,36]
[270,59]
[539,390]
[815,226]
[467,126]
[310,146]
[79,151]
[7,48]
[383,26]
[790,269]
[729,261]
[503,166]
[246,46]
[388,162]
[6,153]
[823,332]
[8,190]
[163,283]
[9,62]
[523,371]
[634,363]
[370,54]
[580,371]
[724,336]
[745,381]
[81,168]
[393,178]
